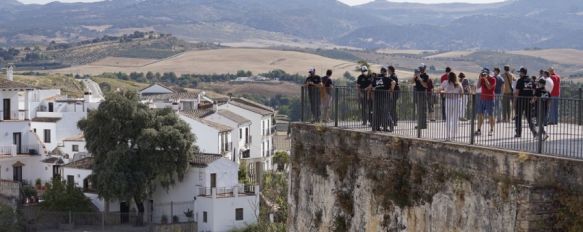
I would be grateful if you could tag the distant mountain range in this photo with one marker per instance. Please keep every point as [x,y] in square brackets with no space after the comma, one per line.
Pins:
[514,24]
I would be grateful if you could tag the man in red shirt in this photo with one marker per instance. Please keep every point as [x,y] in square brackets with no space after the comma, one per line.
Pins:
[442,80]
[555,94]
[487,98]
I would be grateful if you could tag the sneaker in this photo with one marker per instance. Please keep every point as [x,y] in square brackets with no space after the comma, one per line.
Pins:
[478,133]
[490,133]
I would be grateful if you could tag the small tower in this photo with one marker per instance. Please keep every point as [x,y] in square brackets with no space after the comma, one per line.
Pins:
[10,72]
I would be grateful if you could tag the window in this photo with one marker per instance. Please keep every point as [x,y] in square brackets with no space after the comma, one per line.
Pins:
[246,135]
[240,133]
[75,147]
[239,214]
[47,136]
[204,217]
[71,180]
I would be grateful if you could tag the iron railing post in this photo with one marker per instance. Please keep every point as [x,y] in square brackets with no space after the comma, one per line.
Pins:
[374,122]
[473,119]
[302,104]
[541,125]
[580,106]
[336,108]
[419,109]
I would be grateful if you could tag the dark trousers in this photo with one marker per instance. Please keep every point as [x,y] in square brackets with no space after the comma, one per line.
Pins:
[544,114]
[524,108]
[365,107]
[314,97]
[381,111]
[443,107]
[506,110]
[393,98]
[421,99]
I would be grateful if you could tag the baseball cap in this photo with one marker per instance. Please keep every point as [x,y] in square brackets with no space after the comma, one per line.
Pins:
[485,71]
[523,70]
[364,69]
[312,70]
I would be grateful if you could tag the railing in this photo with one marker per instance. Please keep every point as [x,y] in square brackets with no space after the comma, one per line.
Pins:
[13,116]
[222,192]
[8,150]
[551,126]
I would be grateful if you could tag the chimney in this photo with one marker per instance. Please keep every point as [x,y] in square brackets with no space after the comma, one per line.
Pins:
[10,73]
[87,97]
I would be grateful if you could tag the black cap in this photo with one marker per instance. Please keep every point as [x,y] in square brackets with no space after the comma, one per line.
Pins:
[523,70]
[485,71]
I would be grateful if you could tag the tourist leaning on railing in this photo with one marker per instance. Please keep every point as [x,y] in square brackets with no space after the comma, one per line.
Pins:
[313,84]
[326,95]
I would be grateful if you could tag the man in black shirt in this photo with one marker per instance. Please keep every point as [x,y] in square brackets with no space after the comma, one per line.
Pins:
[327,95]
[541,99]
[394,94]
[381,116]
[523,93]
[421,80]
[364,85]
[313,84]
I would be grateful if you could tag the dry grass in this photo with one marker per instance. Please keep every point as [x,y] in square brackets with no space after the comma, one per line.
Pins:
[222,61]
[123,62]
[260,89]
[452,54]
[561,56]
[404,51]
[120,84]
[68,85]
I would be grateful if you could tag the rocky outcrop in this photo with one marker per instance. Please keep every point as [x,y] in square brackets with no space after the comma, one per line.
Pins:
[345,180]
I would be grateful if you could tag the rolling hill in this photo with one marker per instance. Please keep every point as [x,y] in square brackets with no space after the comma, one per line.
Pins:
[510,25]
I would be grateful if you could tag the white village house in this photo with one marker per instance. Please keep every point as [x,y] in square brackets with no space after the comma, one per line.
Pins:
[241,137]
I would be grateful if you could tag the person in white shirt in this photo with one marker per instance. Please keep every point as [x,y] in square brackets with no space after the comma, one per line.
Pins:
[453,91]
[549,81]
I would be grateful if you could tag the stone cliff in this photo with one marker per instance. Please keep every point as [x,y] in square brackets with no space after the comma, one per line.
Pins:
[344,180]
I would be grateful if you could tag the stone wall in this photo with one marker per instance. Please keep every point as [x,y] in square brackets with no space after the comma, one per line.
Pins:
[344,180]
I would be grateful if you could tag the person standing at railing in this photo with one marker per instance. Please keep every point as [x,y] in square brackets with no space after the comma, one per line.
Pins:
[466,92]
[452,90]
[508,92]
[381,115]
[555,95]
[541,94]
[421,80]
[498,91]
[363,84]
[442,80]
[394,94]
[326,95]
[487,84]
[313,84]
[523,93]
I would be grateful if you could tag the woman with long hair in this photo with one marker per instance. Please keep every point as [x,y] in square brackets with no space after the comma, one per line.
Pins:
[453,92]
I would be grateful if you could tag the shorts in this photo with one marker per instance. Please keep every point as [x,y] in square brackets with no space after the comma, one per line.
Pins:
[486,107]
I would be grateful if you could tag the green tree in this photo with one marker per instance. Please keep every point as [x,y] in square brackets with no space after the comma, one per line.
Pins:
[281,158]
[10,220]
[244,173]
[135,148]
[61,196]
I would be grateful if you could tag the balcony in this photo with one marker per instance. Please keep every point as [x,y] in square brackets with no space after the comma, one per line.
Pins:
[11,150]
[225,192]
[13,115]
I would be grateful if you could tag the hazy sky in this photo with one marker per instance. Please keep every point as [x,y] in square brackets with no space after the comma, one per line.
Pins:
[350,2]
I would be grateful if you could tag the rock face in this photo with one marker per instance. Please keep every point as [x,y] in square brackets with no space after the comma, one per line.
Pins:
[345,180]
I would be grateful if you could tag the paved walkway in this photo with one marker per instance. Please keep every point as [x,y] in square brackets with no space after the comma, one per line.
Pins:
[565,140]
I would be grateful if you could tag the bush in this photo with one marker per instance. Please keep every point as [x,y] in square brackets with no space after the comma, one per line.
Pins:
[61,196]
[175,219]
[164,219]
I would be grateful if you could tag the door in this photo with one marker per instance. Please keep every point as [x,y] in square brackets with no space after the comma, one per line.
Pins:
[6,109]
[124,209]
[17,174]
[213,180]
[51,107]
[56,172]
[17,140]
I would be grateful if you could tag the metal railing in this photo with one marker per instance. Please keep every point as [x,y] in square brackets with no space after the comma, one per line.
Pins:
[550,126]
[13,116]
[8,150]
[221,192]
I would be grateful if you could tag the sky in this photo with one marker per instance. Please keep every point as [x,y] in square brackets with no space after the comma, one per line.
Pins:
[349,2]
